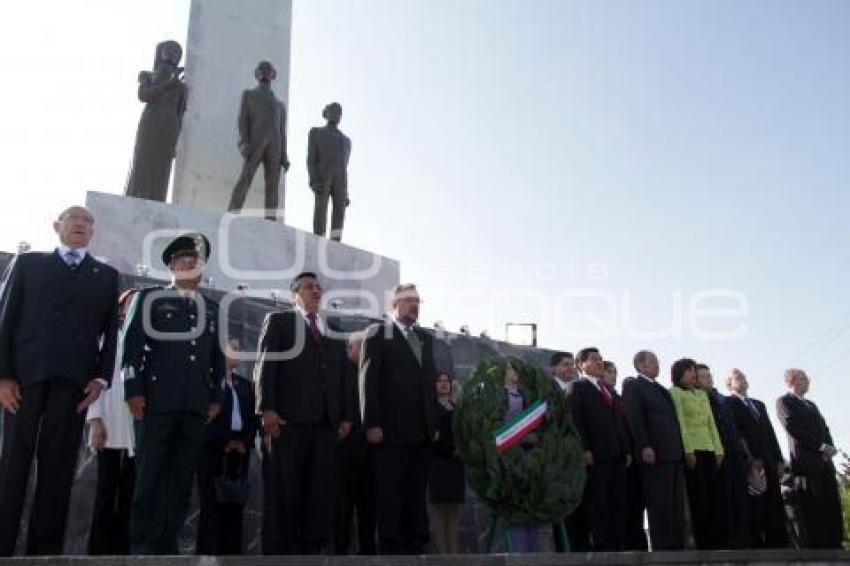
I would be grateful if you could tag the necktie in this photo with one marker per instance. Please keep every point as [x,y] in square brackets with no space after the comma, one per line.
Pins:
[603,389]
[314,328]
[72,259]
[752,407]
[415,343]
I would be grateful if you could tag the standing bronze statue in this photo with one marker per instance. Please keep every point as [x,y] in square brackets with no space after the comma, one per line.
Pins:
[262,139]
[328,150]
[164,94]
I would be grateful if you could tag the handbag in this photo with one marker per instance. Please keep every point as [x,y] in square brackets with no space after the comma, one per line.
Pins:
[756,479]
[229,490]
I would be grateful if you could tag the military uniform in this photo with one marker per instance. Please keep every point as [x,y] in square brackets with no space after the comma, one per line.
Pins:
[179,376]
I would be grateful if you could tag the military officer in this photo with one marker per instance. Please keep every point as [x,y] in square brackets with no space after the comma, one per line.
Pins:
[173,376]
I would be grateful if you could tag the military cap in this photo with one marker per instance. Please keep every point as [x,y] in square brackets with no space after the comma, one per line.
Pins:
[187,244]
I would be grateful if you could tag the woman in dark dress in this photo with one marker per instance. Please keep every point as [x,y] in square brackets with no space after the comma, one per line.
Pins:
[447,480]
[164,94]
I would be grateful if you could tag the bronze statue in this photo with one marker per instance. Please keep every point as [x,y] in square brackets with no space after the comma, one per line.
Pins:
[262,139]
[164,94]
[328,150]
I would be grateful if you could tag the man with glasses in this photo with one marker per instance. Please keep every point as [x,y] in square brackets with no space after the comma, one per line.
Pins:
[397,363]
[58,328]
[306,406]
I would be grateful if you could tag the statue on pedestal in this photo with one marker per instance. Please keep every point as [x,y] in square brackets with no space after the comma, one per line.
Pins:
[262,139]
[164,94]
[328,150]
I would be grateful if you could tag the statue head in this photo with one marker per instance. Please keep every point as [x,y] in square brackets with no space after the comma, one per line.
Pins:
[168,52]
[332,113]
[265,72]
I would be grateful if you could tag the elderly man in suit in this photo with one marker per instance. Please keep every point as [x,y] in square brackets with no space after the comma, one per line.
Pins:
[328,150]
[659,452]
[58,330]
[761,450]
[306,404]
[564,373]
[812,450]
[601,424]
[262,139]
[397,362]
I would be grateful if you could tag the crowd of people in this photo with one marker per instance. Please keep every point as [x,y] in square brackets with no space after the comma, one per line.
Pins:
[355,433]
[690,452]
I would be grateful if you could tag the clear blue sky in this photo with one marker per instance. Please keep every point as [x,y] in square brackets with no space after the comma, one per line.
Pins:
[503,149]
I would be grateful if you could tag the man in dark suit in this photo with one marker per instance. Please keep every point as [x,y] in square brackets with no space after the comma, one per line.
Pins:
[228,442]
[355,472]
[600,422]
[58,329]
[564,374]
[635,500]
[761,449]
[733,523]
[172,384]
[400,419]
[262,139]
[306,407]
[328,150]
[658,448]
[812,450]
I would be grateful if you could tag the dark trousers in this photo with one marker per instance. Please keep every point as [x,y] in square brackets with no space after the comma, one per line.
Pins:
[47,419]
[820,510]
[663,488]
[635,507]
[110,526]
[707,513]
[337,194]
[302,475]
[269,156]
[355,481]
[606,510]
[402,477]
[219,524]
[767,514]
[269,526]
[576,528]
[169,446]
[738,508]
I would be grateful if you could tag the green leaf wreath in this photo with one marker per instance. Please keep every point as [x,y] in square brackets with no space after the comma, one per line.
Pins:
[540,484]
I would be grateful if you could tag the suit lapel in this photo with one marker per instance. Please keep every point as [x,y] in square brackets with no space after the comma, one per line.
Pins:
[399,336]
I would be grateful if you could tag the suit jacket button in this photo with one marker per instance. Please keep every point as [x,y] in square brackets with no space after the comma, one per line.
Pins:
[194,342]
[192,358]
[153,378]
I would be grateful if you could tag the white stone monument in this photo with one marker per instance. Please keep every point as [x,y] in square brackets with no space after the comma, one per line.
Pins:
[250,255]
[227,38]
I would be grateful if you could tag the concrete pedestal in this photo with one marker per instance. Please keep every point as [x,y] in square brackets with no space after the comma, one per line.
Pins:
[259,256]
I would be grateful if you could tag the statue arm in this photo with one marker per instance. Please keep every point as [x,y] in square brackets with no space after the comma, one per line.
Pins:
[244,122]
[284,158]
[313,157]
[149,90]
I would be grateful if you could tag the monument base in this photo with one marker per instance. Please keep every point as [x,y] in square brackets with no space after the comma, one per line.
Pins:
[249,253]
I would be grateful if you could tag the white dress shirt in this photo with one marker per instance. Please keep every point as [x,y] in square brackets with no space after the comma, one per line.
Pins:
[236,413]
[62,249]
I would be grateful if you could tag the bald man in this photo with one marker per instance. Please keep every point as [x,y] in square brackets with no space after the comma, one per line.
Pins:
[812,450]
[58,332]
